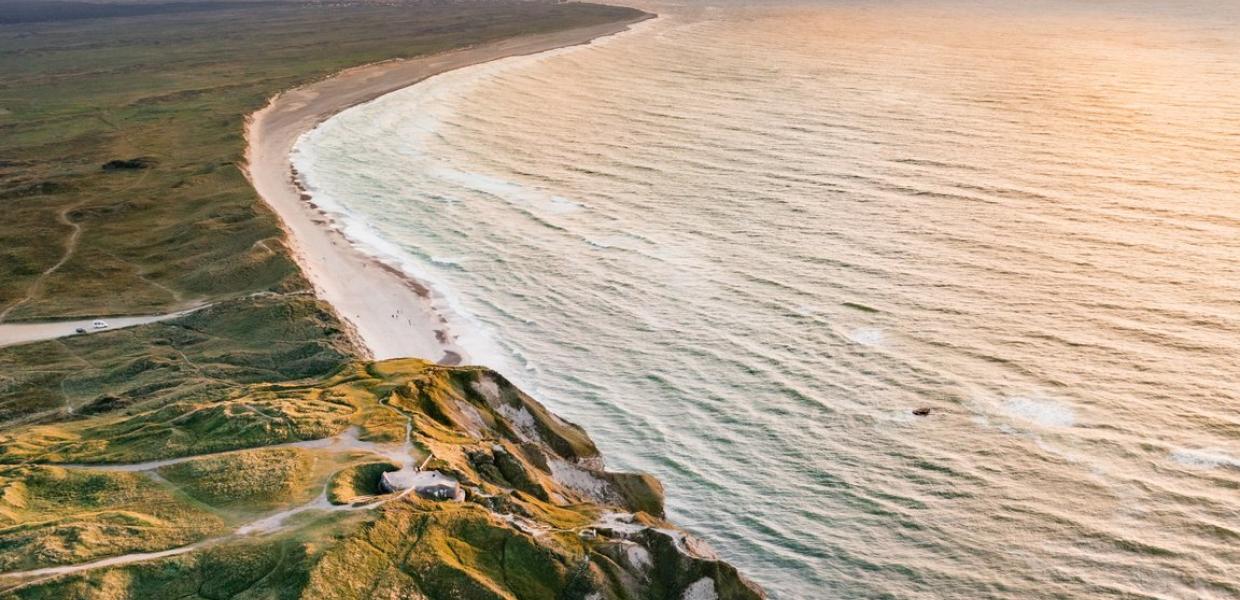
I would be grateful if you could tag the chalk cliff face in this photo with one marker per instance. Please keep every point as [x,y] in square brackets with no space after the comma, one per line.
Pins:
[275,493]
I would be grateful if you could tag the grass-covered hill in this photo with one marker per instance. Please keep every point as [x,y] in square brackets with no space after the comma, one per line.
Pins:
[540,518]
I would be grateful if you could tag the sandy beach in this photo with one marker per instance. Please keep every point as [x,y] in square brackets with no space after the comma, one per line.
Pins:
[389,313]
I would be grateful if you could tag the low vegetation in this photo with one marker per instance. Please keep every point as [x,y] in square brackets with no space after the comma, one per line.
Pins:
[358,482]
[182,428]
[240,569]
[253,480]
[54,516]
[205,355]
[531,525]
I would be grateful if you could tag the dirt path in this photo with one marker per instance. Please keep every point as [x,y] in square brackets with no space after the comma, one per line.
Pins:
[346,442]
[70,247]
[12,334]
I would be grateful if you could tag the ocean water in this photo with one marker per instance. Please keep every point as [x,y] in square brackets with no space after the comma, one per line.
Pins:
[740,244]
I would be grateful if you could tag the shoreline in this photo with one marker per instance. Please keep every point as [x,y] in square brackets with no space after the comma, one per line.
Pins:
[387,312]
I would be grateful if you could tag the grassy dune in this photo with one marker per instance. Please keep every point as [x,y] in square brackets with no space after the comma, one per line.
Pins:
[52,516]
[273,477]
[533,490]
[243,569]
[204,355]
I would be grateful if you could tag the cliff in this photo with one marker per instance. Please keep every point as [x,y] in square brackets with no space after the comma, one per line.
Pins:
[273,491]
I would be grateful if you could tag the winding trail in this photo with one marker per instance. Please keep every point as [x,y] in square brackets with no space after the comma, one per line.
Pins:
[12,334]
[70,248]
[124,559]
[347,441]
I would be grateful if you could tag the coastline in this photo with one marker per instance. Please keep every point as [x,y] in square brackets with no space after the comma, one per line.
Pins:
[387,312]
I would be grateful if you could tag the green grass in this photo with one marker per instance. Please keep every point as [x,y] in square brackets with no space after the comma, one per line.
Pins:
[503,543]
[185,428]
[254,480]
[455,553]
[267,568]
[358,482]
[205,355]
[52,516]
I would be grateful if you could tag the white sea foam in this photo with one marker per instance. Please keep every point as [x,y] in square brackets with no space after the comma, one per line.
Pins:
[446,261]
[436,99]
[470,334]
[1039,411]
[507,191]
[1210,458]
[867,336]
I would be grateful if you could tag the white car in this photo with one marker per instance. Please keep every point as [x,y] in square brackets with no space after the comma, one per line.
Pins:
[99,324]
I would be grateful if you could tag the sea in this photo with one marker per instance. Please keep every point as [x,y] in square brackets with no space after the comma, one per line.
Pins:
[742,243]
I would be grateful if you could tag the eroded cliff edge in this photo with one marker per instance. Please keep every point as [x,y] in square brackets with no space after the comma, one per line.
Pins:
[279,491]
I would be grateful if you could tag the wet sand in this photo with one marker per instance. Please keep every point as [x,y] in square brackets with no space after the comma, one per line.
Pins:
[388,313]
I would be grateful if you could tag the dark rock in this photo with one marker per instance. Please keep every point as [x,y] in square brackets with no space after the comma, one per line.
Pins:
[38,188]
[514,471]
[105,403]
[128,164]
[921,412]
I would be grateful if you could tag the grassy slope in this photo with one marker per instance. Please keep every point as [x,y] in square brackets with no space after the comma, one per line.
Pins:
[206,354]
[274,477]
[518,534]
